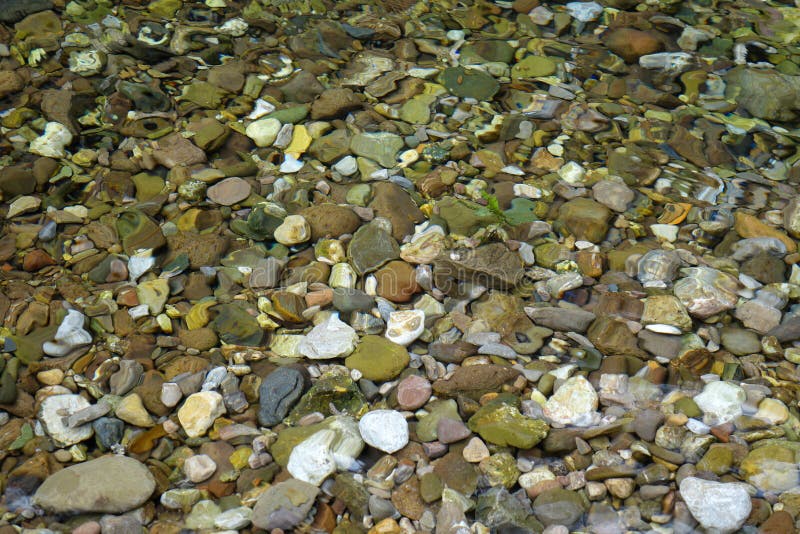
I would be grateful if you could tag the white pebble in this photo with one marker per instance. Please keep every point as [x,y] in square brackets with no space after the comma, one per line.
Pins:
[404,327]
[199,467]
[386,430]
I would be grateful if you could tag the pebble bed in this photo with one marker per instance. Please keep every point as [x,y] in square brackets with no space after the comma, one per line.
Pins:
[385,267]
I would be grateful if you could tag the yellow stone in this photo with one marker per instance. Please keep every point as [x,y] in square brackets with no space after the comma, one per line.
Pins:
[750,226]
[198,316]
[387,526]
[301,140]
[239,458]
[132,410]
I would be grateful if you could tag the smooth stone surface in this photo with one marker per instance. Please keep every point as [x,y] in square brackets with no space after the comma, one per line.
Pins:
[53,414]
[386,430]
[110,484]
[720,402]
[378,359]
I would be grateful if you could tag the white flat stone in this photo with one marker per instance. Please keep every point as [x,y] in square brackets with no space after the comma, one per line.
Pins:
[331,338]
[312,460]
[54,413]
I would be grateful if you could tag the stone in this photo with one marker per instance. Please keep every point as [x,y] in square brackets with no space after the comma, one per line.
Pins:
[720,402]
[199,467]
[574,403]
[771,467]
[371,248]
[631,44]
[503,424]
[392,202]
[469,83]
[492,265]
[331,338]
[293,230]
[722,507]
[404,327]
[746,86]
[279,392]
[585,219]
[559,507]
[312,459]
[379,146]
[335,102]
[533,67]
[53,142]
[229,191]
[199,411]
[263,132]
[397,282]
[234,518]
[284,505]
[451,431]
[53,414]
[378,359]
[386,430]
[109,484]
[413,392]
[131,410]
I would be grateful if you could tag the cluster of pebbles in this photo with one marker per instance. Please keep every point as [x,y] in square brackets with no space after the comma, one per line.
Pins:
[392,266]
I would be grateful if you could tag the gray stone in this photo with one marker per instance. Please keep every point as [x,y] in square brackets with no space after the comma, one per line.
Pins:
[284,505]
[279,392]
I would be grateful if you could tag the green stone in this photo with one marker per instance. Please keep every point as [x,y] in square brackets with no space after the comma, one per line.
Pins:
[501,511]
[378,359]
[235,326]
[688,407]
[504,425]
[343,427]
[462,216]
[204,94]
[370,248]
[138,231]
[292,114]
[331,147]
[469,83]
[718,460]
[489,50]
[440,409]
[334,390]
[359,194]
[500,470]
[417,110]
[353,493]
[559,507]
[164,9]
[8,382]
[379,146]
[202,515]
[533,67]
[430,487]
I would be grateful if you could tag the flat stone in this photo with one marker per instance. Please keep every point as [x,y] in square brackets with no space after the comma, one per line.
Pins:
[386,430]
[110,484]
[284,505]
[229,191]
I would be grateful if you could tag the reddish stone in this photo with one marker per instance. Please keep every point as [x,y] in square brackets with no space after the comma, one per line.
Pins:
[37,259]
[413,392]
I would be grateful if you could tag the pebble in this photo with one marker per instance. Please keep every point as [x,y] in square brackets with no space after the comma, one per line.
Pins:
[110,484]
[69,336]
[199,467]
[720,402]
[53,414]
[574,403]
[293,230]
[229,191]
[199,411]
[331,338]
[404,327]
[413,392]
[719,506]
[386,430]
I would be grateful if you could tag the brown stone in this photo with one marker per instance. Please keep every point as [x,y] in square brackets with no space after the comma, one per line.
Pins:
[330,220]
[335,102]
[631,44]
[37,259]
[475,380]
[393,202]
[397,281]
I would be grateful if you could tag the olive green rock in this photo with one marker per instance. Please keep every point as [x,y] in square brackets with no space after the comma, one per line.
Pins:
[440,409]
[533,67]
[469,83]
[584,218]
[235,326]
[378,359]
[370,248]
[379,146]
[718,460]
[504,425]
[334,390]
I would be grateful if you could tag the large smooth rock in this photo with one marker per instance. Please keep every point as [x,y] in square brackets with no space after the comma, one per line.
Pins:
[719,507]
[284,505]
[111,484]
